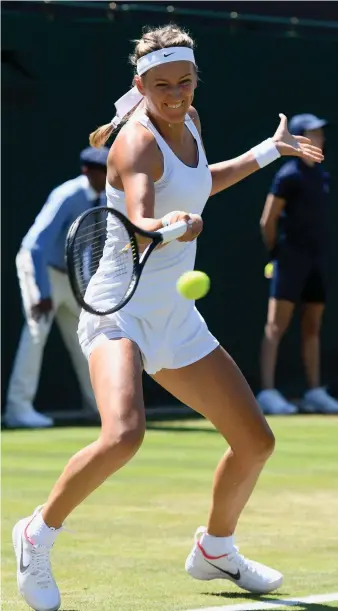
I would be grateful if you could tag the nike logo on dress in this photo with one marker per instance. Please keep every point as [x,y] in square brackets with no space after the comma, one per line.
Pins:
[235,576]
[23,568]
[167,54]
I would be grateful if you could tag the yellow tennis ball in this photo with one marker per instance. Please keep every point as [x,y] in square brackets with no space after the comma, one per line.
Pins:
[193,285]
[268,270]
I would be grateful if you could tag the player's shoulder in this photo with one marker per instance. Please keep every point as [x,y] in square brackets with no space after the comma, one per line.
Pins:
[193,114]
[68,189]
[134,143]
[289,169]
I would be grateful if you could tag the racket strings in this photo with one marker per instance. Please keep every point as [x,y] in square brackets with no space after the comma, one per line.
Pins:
[103,245]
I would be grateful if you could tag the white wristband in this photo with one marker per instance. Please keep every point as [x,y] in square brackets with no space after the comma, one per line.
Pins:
[167,218]
[266,152]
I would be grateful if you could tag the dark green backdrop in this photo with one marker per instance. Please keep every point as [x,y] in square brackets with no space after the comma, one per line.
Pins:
[75,72]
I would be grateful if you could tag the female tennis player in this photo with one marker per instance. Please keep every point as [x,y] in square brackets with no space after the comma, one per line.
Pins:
[158,174]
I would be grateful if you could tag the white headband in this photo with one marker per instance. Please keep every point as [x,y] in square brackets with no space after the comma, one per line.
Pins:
[163,56]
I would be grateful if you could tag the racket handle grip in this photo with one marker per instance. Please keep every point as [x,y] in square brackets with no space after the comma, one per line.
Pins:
[173,231]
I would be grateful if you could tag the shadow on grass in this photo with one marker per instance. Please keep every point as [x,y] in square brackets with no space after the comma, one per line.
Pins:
[272,598]
[248,596]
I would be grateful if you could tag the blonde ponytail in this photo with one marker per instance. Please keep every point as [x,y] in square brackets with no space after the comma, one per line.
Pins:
[101,135]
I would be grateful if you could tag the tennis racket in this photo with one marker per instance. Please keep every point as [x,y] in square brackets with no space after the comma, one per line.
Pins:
[105,231]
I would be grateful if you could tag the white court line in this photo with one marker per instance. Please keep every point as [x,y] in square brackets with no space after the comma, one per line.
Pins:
[273,604]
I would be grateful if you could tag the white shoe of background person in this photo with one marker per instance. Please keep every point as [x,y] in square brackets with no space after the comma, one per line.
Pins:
[26,417]
[246,574]
[318,401]
[272,402]
[34,574]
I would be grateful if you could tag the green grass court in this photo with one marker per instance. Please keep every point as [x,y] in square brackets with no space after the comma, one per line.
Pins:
[129,540]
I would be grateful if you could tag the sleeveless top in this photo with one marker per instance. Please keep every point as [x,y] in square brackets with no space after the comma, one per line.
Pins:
[180,187]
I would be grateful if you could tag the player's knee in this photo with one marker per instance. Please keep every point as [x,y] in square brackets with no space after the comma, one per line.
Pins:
[267,445]
[256,450]
[124,440]
[261,447]
[130,437]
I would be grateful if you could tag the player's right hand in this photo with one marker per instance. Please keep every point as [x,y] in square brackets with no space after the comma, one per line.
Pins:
[43,308]
[194,225]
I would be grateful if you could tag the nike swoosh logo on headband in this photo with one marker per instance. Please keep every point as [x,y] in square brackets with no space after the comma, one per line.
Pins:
[167,54]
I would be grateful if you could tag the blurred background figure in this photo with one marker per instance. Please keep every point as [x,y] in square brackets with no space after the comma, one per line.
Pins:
[295,227]
[46,292]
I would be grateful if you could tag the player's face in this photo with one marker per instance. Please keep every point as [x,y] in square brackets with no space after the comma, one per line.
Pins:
[316,136]
[169,90]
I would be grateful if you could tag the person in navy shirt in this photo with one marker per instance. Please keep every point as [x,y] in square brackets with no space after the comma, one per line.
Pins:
[294,225]
[46,292]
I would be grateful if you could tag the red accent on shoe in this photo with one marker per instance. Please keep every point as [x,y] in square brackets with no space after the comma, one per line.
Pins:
[207,555]
[25,533]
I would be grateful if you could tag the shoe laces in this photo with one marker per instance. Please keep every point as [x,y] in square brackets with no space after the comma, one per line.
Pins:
[238,559]
[41,568]
[243,563]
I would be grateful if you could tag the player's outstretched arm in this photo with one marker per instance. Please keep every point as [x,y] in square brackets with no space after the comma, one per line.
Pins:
[227,173]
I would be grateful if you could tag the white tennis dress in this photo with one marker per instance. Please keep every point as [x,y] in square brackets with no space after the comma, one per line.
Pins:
[168,329]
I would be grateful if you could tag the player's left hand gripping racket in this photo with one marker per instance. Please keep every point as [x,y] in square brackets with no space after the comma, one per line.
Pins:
[120,270]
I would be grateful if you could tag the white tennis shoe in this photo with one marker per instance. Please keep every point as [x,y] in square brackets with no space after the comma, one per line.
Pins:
[26,417]
[318,401]
[34,574]
[247,574]
[272,402]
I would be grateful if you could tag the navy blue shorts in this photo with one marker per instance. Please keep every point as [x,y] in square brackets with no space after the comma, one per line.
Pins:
[299,277]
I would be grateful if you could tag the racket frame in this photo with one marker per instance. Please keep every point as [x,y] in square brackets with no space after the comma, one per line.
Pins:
[157,238]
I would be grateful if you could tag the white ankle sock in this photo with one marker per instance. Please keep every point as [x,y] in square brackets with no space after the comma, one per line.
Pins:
[39,533]
[216,546]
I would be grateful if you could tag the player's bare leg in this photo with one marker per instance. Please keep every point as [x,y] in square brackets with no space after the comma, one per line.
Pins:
[215,387]
[116,373]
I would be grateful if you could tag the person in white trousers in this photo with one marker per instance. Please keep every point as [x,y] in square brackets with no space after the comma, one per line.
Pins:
[46,292]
